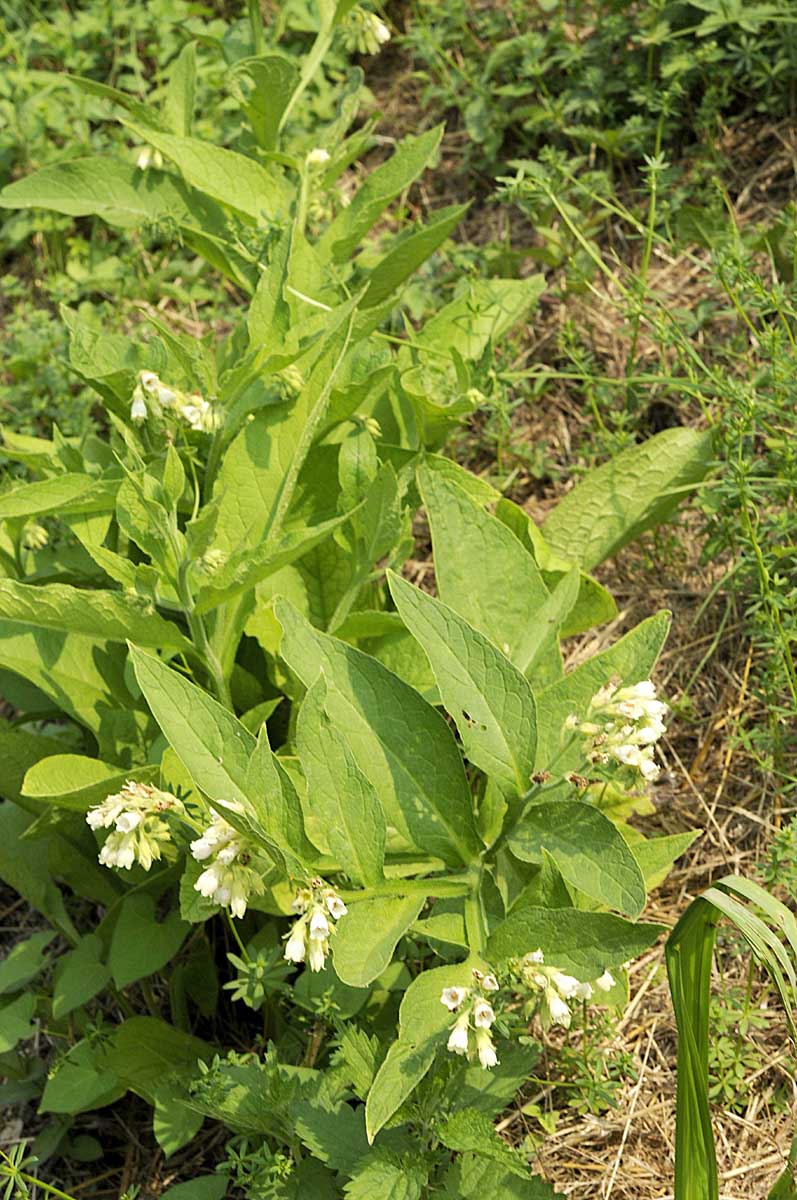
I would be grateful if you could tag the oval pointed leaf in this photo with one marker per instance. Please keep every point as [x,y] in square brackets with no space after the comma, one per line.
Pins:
[588,849]
[583,944]
[635,491]
[490,700]
[399,741]
[343,798]
[367,936]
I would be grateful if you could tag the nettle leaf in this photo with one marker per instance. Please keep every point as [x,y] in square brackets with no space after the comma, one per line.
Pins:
[99,614]
[583,944]
[473,1176]
[399,741]
[24,962]
[588,849]
[79,976]
[335,1134]
[349,227]
[343,798]
[388,1175]
[632,659]
[366,937]
[231,178]
[77,782]
[423,1026]
[140,945]
[506,597]
[173,1122]
[470,1130]
[490,700]
[638,489]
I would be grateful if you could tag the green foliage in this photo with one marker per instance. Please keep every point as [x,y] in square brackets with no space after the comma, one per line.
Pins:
[610,76]
[224,683]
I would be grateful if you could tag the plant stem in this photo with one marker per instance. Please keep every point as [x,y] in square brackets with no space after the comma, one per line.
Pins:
[475,928]
[201,640]
[452,886]
[9,1171]
[255,25]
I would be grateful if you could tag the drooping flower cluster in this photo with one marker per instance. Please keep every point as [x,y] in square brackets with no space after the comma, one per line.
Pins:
[624,724]
[364,31]
[139,831]
[308,940]
[35,536]
[189,407]
[229,879]
[470,1033]
[557,988]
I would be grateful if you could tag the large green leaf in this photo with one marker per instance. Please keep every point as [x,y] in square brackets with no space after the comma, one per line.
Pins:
[82,676]
[231,178]
[343,798]
[380,187]
[63,494]
[632,659]
[367,936]
[210,740]
[145,1052]
[24,962]
[246,568]
[79,976]
[77,781]
[81,1082]
[423,1026]
[221,755]
[25,867]
[408,252]
[116,191]
[264,85]
[506,598]
[111,616]
[258,476]
[581,943]
[490,700]
[485,309]
[588,849]
[399,741]
[636,490]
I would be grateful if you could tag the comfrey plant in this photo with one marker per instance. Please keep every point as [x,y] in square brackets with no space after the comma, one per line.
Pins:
[224,690]
[434,891]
